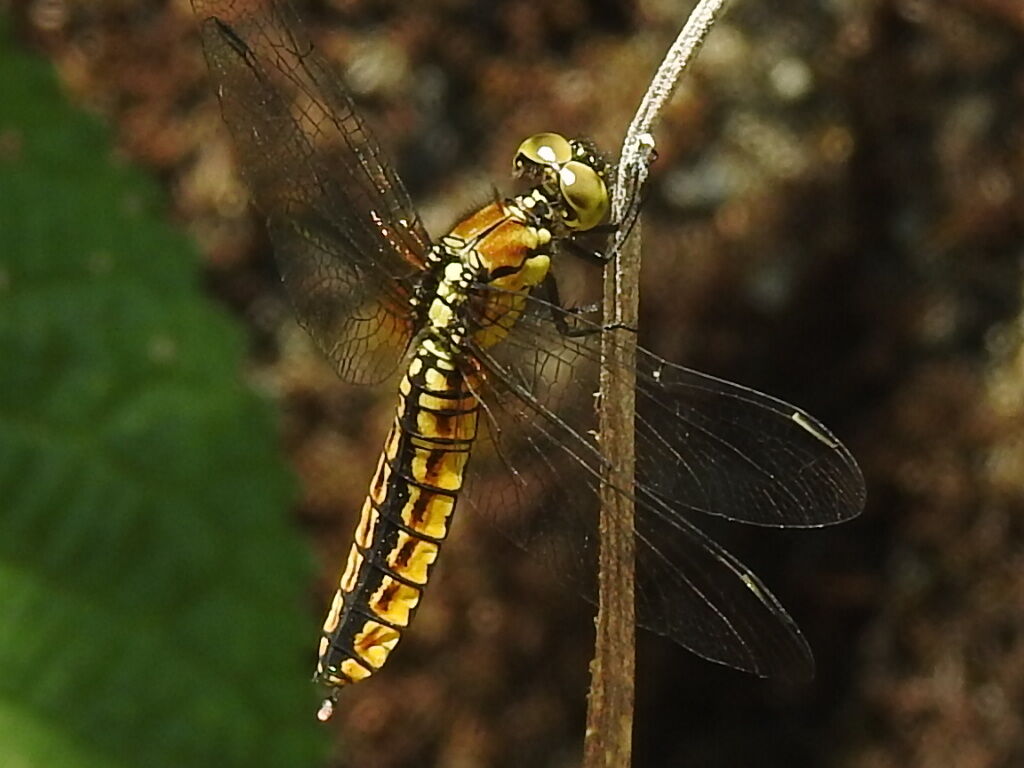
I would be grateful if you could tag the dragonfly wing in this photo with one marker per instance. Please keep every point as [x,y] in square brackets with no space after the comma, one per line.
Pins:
[348,241]
[710,446]
[703,445]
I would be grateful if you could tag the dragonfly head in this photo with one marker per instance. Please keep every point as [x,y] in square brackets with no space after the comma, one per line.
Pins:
[570,173]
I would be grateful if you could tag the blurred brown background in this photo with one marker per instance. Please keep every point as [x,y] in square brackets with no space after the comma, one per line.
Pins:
[836,217]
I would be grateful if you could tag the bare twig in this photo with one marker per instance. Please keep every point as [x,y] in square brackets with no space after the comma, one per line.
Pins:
[609,736]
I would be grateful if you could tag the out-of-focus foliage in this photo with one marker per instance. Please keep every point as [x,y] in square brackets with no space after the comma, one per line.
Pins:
[150,589]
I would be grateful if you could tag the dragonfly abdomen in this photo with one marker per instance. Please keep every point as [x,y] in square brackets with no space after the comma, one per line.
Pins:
[404,520]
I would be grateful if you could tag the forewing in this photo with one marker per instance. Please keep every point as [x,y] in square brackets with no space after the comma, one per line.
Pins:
[347,239]
[703,445]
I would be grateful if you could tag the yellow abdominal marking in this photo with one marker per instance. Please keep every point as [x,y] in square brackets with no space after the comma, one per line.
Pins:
[441,469]
[458,426]
[366,526]
[434,403]
[411,558]
[334,615]
[379,485]
[374,643]
[435,380]
[442,356]
[354,670]
[348,578]
[394,601]
[394,437]
[427,513]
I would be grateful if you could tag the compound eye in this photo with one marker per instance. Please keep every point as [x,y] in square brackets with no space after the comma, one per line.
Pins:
[585,193]
[545,149]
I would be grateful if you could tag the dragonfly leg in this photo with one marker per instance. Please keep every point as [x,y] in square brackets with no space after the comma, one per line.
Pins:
[580,251]
[548,290]
[605,229]
[610,228]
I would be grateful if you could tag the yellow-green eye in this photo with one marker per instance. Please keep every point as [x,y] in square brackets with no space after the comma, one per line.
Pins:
[543,149]
[586,194]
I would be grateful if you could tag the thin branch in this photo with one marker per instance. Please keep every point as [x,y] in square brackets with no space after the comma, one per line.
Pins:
[609,735]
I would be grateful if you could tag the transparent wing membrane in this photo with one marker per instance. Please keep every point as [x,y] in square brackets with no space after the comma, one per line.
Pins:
[347,239]
[703,446]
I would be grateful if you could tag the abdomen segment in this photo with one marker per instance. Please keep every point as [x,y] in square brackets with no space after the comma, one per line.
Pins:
[404,520]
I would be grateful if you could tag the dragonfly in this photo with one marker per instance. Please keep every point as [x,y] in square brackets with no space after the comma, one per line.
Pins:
[493,366]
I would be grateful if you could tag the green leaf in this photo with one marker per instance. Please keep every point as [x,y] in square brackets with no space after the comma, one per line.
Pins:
[151,589]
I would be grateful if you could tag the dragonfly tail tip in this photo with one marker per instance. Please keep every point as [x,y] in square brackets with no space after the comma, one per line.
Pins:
[326,709]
